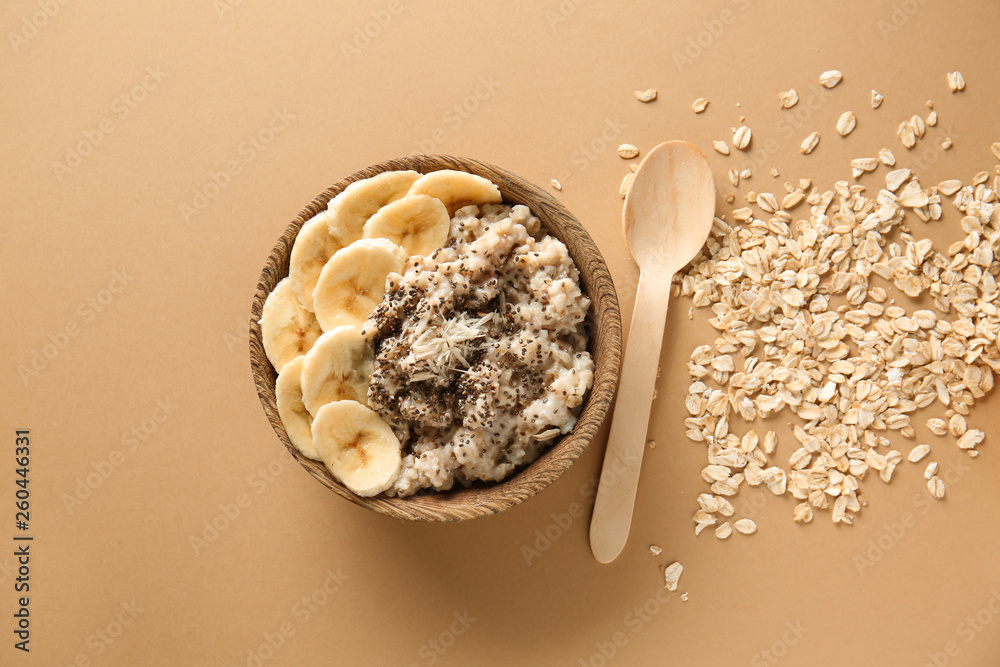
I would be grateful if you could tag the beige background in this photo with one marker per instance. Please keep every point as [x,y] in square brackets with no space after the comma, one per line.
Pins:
[116,577]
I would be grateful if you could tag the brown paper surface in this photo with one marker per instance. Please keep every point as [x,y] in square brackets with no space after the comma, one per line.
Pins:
[152,153]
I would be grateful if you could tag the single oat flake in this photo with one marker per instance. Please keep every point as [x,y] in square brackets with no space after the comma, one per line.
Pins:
[721,147]
[877,99]
[865,164]
[937,426]
[627,151]
[741,138]
[803,513]
[746,526]
[699,105]
[672,575]
[830,78]
[788,98]
[956,82]
[809,143]
[655,550]
[971,438]
[846,123]
[556,184]
[724,531]
[647,95]
[907,134]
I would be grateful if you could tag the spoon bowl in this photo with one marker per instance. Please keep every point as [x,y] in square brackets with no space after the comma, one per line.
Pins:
[670,207]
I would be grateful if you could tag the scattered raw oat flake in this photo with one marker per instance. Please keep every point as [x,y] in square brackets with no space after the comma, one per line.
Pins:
[793,199]
[556,184]
[647,95]
[957,425]
[846,123]
[971,438]
[788,98]
[684,597]
[803,513]
[628,151]
[876,99]
[830,78]
[741,137]
[864,164]
[907,134]
[947,143]
[896,178]
[936,425]
[768,202]
[672,575]
[699,105]
[806,328]
[956,82]
[809,143]
[721,147]
[655,550]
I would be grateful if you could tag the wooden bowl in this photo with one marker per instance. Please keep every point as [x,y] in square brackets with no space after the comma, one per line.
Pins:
[603,324]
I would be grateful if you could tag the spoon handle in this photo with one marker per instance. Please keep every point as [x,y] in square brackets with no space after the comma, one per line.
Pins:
[609,526]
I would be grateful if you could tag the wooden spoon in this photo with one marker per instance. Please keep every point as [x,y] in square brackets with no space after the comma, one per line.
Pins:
[667,218]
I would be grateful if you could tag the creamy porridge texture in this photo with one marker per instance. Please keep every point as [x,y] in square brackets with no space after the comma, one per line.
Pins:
[480,354]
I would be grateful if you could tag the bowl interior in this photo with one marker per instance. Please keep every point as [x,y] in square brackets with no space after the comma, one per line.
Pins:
[604,330]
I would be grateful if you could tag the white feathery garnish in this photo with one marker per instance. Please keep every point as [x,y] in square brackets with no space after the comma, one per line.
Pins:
[442,346]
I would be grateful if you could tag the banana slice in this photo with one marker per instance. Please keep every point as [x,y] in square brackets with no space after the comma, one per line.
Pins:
[350,210]
[313,247]
[293,413]
[357,446]
[420,224]
[456,189]
[338,367]
[288,330]
[352,283]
